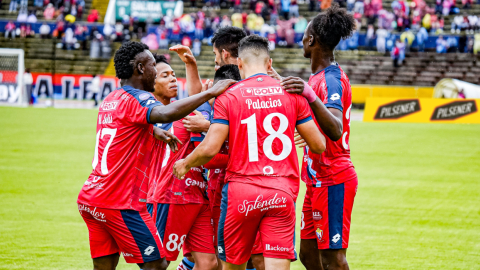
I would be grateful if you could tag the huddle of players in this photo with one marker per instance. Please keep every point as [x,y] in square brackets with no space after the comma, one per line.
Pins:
[249,149]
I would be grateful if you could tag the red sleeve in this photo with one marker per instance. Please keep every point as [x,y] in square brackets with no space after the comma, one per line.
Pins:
[303,110]
[220,111]
[219,161]
[140,105]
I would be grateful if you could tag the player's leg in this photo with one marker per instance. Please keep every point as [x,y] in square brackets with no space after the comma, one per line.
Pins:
[238,224]
[277,229]
[103,248]
[309,253]
[277,264]
[199,241]
[136,236]
[337,204]
[187,263]
[108,262]
[257,261]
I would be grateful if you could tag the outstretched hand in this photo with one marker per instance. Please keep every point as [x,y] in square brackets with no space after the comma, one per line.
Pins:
[220,87]
[180,169]
[167,137]
[184,53]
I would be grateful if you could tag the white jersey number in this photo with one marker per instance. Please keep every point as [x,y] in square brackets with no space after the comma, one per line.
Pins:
[103,164]
[267,144]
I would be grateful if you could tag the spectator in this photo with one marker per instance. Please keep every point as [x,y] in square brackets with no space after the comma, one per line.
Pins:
[187,41]
[13,6]
[93,16]
[462,43]
[49,12]
[476,44]
[81,33]
[199,26]
[285,8]
[300,27]
[382,35]
[22,15]
[293,9]
[407,37]
[107,31]
[10,29]
[441,45]
[38,4]
[422,37]
[44,31]
[370,36]
[470,43]
[452,44]
[237,20]
[401,47]
[197,47]
[95,88]
[162,33]
[95,46]
[28,81]
[325,4]
[427,21]
[151,41]
[32,18]
[69,39]
[473,22]
[395,53]
[350,5]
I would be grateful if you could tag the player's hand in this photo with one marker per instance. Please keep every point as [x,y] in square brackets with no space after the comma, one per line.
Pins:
[196,123]
[299,141]
[294,85]
[167,137]
[220,87]
[273,73]
[184,53]
[180,169]
[207,85]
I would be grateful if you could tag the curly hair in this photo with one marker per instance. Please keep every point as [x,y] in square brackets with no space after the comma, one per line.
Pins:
[125,56]
[160,58]
[332,25]
[227,38]
[254,42]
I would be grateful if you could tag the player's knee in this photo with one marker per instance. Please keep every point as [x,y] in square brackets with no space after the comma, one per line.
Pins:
[334,259]
[207,263]
[307,259]
[161,264]
[258,261]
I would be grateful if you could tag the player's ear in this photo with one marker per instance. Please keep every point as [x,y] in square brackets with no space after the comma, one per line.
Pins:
[269,64]
[311,40]
[240,67]
[140,68]
[225,54]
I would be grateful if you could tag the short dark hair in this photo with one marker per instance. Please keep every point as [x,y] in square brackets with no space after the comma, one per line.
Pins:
[124,57]
[227,72]
[160,58]
[227,38]
[332,25]
[254,42]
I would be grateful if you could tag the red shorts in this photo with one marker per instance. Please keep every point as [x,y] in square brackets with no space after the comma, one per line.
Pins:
[184,225]
[327,213]
[248,209]
[130,232]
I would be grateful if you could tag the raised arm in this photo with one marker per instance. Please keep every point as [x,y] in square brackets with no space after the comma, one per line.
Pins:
[204,152]
[179,109]
[194,83]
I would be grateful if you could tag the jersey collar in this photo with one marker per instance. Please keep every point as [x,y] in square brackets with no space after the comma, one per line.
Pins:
[258,74]
[331,66]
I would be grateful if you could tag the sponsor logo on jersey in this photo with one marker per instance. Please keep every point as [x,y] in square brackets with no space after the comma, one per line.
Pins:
[264,104]
[334,97]
[454,110]
[317,215]
[144,96]
[149,250]
[191,182]
[127,254]
[398,109]
[259,203]
[109,106]
[218,170]
[276,248]
[262,91]
[95,214]
[94,183]
[107,119]
[335,238]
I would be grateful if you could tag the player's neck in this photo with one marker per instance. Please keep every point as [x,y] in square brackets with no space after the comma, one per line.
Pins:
[164,100]
[320,60]
[253,71]
[137,84]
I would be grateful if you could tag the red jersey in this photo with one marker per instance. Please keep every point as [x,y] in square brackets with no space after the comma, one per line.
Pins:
[191,189]
[333,166]
[216,176]
[159,148]
[119,178]
[262,119]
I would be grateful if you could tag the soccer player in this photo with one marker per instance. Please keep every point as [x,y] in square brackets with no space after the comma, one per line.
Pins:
[330,177]
[259,118]
[112,199]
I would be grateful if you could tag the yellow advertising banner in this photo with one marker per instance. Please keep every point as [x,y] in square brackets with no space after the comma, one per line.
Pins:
[422,110]
[360,92]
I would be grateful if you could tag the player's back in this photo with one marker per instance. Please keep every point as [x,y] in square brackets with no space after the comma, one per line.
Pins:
[262,119]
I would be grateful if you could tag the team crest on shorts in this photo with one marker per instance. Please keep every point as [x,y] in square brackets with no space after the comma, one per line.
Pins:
[319,234]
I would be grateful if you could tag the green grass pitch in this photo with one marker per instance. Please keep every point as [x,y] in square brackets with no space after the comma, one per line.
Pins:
[417,206]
